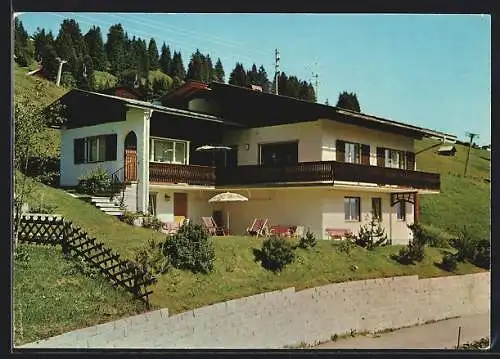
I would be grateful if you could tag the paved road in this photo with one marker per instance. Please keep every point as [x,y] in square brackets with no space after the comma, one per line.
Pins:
[439,335]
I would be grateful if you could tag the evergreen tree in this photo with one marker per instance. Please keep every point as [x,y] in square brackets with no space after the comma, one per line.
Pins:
[326,102]
[95,48]
[142,58]
[253,76]
[219,71]
[85,79]
[154,58]
[263,81]
[70,46]
[115,49]
[195,70]
[208,72]
[130,60]
[293,87]
[165,60]
[238,76]
[40,39]
[23,48]
[283,84]
[312,93]
[49,62]
[178,71]
[348,101]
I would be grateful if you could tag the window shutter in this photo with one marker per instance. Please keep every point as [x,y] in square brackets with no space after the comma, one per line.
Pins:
[410,161]
[365,154]
[380,156]
[340,151]
[111,147]
[79,150]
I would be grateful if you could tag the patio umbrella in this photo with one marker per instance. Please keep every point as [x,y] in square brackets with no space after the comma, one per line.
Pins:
[228,197]
[213,148]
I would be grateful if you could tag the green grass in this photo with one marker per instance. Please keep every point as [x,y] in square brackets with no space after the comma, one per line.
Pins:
[51,296]
[463,200]
[236,273]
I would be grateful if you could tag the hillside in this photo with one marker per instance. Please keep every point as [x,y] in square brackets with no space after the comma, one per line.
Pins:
[462,201]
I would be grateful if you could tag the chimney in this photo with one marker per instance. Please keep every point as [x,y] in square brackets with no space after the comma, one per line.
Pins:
[256,88]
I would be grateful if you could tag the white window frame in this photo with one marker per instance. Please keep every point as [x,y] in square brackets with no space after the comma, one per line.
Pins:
[395,158]
[151,150]
[400,210]
[101,155]
[352,152]
[348,216]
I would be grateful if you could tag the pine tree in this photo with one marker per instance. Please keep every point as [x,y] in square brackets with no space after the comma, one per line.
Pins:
[49,62]
[23,49]
[263,80]
[293,87]
[238,76]
[312,93]
[178,71]
[95,48]
[40,39]
[154,58]
[283,84]
[208,69]
[142,58]
[115,49]
[165,60]
[195,70]
[348,101]
[219,71]
[253,76]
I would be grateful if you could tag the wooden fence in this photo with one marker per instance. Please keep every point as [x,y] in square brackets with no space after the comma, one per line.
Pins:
[75,242]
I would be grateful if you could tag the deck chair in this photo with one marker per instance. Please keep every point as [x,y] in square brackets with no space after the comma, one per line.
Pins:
[258,227]
[170,228]
[212,227]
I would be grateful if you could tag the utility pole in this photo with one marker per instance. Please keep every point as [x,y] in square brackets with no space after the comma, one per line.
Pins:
[471,136]
[277,70]
[61,63]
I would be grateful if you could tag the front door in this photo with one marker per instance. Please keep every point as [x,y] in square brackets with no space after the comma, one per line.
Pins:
[180,205]
[130,164]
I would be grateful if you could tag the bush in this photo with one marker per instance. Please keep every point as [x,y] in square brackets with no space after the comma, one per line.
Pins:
[482,258]
[415,251]
[151,260]
[97,181]
[129,217]
[152,222]
[346,246]
[465,245]
[190,248]
[307,241]
[371,235]
[449,262]
[276,253]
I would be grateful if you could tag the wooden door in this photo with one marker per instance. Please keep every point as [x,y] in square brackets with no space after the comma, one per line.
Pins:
[130,164]
[180,205]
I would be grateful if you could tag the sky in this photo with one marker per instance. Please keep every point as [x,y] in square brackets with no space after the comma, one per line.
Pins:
[431,71]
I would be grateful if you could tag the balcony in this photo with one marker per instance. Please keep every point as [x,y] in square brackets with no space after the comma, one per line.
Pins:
[189,174]
[327,172]
[304,172]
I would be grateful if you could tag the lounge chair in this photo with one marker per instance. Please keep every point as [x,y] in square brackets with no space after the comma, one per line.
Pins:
[212,228]
[258,227]
[337,233]
[170,227]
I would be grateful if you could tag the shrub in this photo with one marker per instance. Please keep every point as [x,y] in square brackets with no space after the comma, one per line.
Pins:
[151,260]
[307,241]
[465,245]
[449,262]
[276,253]
[97,181]
[129,217]
[152,222]
[190,248]
[371,235]
[415,251]
[482,258]
[346,246]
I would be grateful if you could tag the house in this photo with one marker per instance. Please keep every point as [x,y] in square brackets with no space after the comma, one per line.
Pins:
[447,151]
[299,163]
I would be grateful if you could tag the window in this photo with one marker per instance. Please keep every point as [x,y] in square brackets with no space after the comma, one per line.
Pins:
[95,149]
[286,153]
[395,159]
[152,204]
[168,151]
[377,208]
[352,208]
[352,152]
[401,210]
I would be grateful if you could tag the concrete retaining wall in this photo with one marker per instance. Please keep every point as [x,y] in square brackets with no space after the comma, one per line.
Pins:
[280,318]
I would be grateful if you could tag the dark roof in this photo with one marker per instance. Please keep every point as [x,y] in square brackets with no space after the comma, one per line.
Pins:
[179,95]
[261,108]
[138,94]
[113,109]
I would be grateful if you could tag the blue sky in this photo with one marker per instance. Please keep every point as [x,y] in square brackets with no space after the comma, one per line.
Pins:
[427,70]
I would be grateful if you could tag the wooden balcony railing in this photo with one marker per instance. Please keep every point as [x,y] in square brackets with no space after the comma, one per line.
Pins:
[321,171]
[173,173]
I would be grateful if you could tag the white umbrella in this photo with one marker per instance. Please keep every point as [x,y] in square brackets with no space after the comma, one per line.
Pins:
[213,148]
[228,197]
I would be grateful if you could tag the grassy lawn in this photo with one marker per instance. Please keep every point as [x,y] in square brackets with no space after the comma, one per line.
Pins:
[51,296]
[236,274]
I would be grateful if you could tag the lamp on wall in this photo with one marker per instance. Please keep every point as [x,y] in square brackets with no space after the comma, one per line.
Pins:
[167,197]
[247,146]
